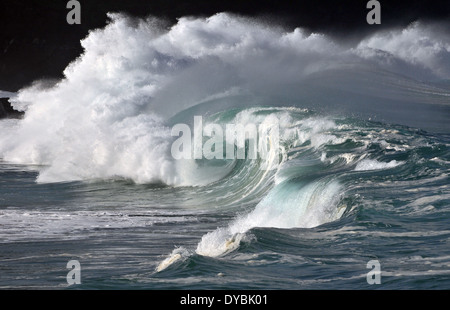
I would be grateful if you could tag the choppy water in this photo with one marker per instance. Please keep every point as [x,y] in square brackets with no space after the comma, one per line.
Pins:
[87,174]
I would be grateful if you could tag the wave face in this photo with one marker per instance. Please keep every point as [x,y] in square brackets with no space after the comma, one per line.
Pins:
[111,116]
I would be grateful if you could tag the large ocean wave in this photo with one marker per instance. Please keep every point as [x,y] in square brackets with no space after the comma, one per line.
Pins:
[107,117]
[344,110]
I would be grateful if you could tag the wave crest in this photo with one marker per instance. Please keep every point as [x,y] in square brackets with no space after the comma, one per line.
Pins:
[108,117]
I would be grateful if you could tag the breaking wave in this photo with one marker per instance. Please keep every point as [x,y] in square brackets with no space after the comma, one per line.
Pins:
[111,116]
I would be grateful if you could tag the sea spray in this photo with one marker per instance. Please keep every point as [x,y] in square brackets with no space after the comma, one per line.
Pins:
[106,118]
[348,187]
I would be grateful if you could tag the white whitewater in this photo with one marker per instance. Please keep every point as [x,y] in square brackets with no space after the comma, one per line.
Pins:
[106,118]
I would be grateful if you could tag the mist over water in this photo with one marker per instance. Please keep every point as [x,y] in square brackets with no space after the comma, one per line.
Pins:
[360,125]
[106,118]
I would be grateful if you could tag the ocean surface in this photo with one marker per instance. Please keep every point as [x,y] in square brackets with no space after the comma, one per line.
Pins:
[359,173]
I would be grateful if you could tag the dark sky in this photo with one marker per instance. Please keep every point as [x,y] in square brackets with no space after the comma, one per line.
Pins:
[36,41]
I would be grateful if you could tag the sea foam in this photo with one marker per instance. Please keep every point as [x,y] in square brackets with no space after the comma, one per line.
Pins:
[107,117]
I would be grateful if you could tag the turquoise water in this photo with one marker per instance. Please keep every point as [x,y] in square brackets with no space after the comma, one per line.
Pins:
[357,169]
[394,203]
